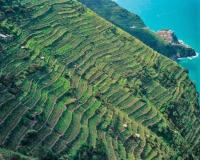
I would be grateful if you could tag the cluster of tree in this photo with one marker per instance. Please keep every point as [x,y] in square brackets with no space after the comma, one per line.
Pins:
[12,11]
[166,80]
[86,152]
[11,8]
[10,83]
[174,139]
[41,153]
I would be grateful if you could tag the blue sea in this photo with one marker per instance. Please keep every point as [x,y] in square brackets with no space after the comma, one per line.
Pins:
[181,16]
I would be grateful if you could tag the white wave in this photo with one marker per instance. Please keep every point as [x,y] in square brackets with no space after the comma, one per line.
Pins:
[192,57]
[180,41]
[180,58]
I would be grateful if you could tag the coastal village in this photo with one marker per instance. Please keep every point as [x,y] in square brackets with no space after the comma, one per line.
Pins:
[181,49]
[168,35]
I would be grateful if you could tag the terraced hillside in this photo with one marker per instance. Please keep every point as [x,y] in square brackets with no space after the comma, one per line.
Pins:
[74,86]
[134,25]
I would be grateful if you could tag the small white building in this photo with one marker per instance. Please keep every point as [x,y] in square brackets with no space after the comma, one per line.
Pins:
[124,125]
[137,135]
[24,47]
[6,37]
[42,57]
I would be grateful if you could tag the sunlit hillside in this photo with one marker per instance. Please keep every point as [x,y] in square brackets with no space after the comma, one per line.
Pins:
[74,86]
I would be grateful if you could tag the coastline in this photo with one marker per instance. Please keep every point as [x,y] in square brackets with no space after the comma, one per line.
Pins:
[190,57]
[181,49]
[182,42]
[185,29]
[187,46]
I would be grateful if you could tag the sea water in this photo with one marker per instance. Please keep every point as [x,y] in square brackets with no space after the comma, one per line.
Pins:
[181,16]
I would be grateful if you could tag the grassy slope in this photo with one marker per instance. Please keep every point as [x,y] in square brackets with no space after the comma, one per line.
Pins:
[96,83]
[125,20]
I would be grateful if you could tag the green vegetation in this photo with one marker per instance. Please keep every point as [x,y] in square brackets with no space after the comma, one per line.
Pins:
[8,154]
[84,89]
[134,25]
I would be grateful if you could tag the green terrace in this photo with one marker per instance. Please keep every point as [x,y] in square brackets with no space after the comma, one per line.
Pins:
[71,80]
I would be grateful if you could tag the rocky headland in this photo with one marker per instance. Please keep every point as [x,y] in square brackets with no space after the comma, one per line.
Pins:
[182,50]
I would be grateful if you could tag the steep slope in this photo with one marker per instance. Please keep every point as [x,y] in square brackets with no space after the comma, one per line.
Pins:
[134,25]
[8,11]
[73,84]
[7,154]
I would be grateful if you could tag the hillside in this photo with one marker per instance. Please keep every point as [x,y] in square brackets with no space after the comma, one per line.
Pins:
[10,155]
[74,86]
[134,25]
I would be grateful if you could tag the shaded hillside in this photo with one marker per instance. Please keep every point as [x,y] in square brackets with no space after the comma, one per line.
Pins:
[136,27]
[8,11]
[73,84]
[10,155]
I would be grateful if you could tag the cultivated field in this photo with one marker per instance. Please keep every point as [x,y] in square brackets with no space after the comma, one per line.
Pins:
[81,80]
